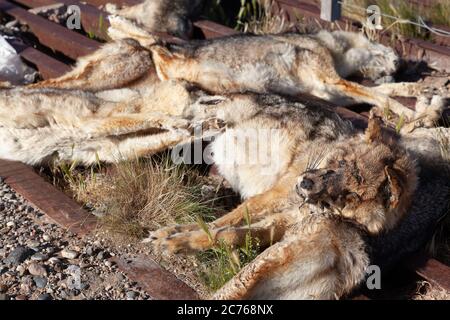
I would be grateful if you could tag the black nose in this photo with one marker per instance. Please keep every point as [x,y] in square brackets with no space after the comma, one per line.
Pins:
[307,184]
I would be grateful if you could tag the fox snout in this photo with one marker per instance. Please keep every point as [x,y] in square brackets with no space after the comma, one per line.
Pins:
[313,184]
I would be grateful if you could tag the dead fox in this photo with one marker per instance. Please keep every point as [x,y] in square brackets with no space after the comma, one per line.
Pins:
[171,16]
[293,64]
[328,190]
[289,64]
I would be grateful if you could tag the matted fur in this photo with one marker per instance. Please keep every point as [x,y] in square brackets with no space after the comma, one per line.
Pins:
[291,64]
[172,16]
[330,187]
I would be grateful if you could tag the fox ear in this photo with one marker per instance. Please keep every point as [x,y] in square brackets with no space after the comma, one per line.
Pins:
[394,185]
[373,131]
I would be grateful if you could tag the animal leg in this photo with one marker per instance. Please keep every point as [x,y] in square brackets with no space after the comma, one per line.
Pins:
[428,112]
[113,66]
[314,262]
[367,95]
[363,94]
[245,283]
[400,89]
[267,232]
[254,207]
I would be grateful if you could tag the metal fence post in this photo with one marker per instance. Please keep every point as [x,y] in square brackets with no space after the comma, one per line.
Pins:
[330,10]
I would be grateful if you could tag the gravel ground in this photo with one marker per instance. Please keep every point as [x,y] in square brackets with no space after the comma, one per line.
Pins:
[39,260]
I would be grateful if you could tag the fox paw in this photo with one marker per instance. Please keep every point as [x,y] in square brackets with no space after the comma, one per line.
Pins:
[166,232]
[166,245]
[427,114]
[185,242]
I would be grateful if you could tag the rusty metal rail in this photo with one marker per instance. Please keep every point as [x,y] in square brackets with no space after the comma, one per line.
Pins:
[159,283]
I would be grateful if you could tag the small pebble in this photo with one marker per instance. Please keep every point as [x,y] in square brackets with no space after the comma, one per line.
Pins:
[40,282]
[10,224]
[36,269]
[38,257]
[21,270]
[69,254]
[18,255]
[131,295]
[54,260]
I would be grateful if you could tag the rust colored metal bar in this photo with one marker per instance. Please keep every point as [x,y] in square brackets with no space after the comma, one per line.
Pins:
[213,30]
[304,8]
[431,270]
[35,3]
[118,2]
[157,282]
[47,66]
[52,35]
[59,207]
[360,297]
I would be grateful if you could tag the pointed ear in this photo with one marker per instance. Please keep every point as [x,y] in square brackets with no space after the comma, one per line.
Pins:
[394,185]
[373,131]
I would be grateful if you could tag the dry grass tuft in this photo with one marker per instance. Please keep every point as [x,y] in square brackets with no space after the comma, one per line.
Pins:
[144,195]
[438,14]
[133,197]
[259,17]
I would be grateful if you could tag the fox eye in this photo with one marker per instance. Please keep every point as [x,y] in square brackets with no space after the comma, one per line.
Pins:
[342,163]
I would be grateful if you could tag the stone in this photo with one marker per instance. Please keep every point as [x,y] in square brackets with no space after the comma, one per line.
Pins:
[38,257]
[69,254]
[33,244]
[9,196]
[11,224]
[40,282]
[36,269]
[3,288]
[89,251]
[45,296]
[21,270]
[54,260]
[131,295]
[18,255]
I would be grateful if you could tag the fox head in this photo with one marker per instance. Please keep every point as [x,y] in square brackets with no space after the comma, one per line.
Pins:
[368,179]
[383,62]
